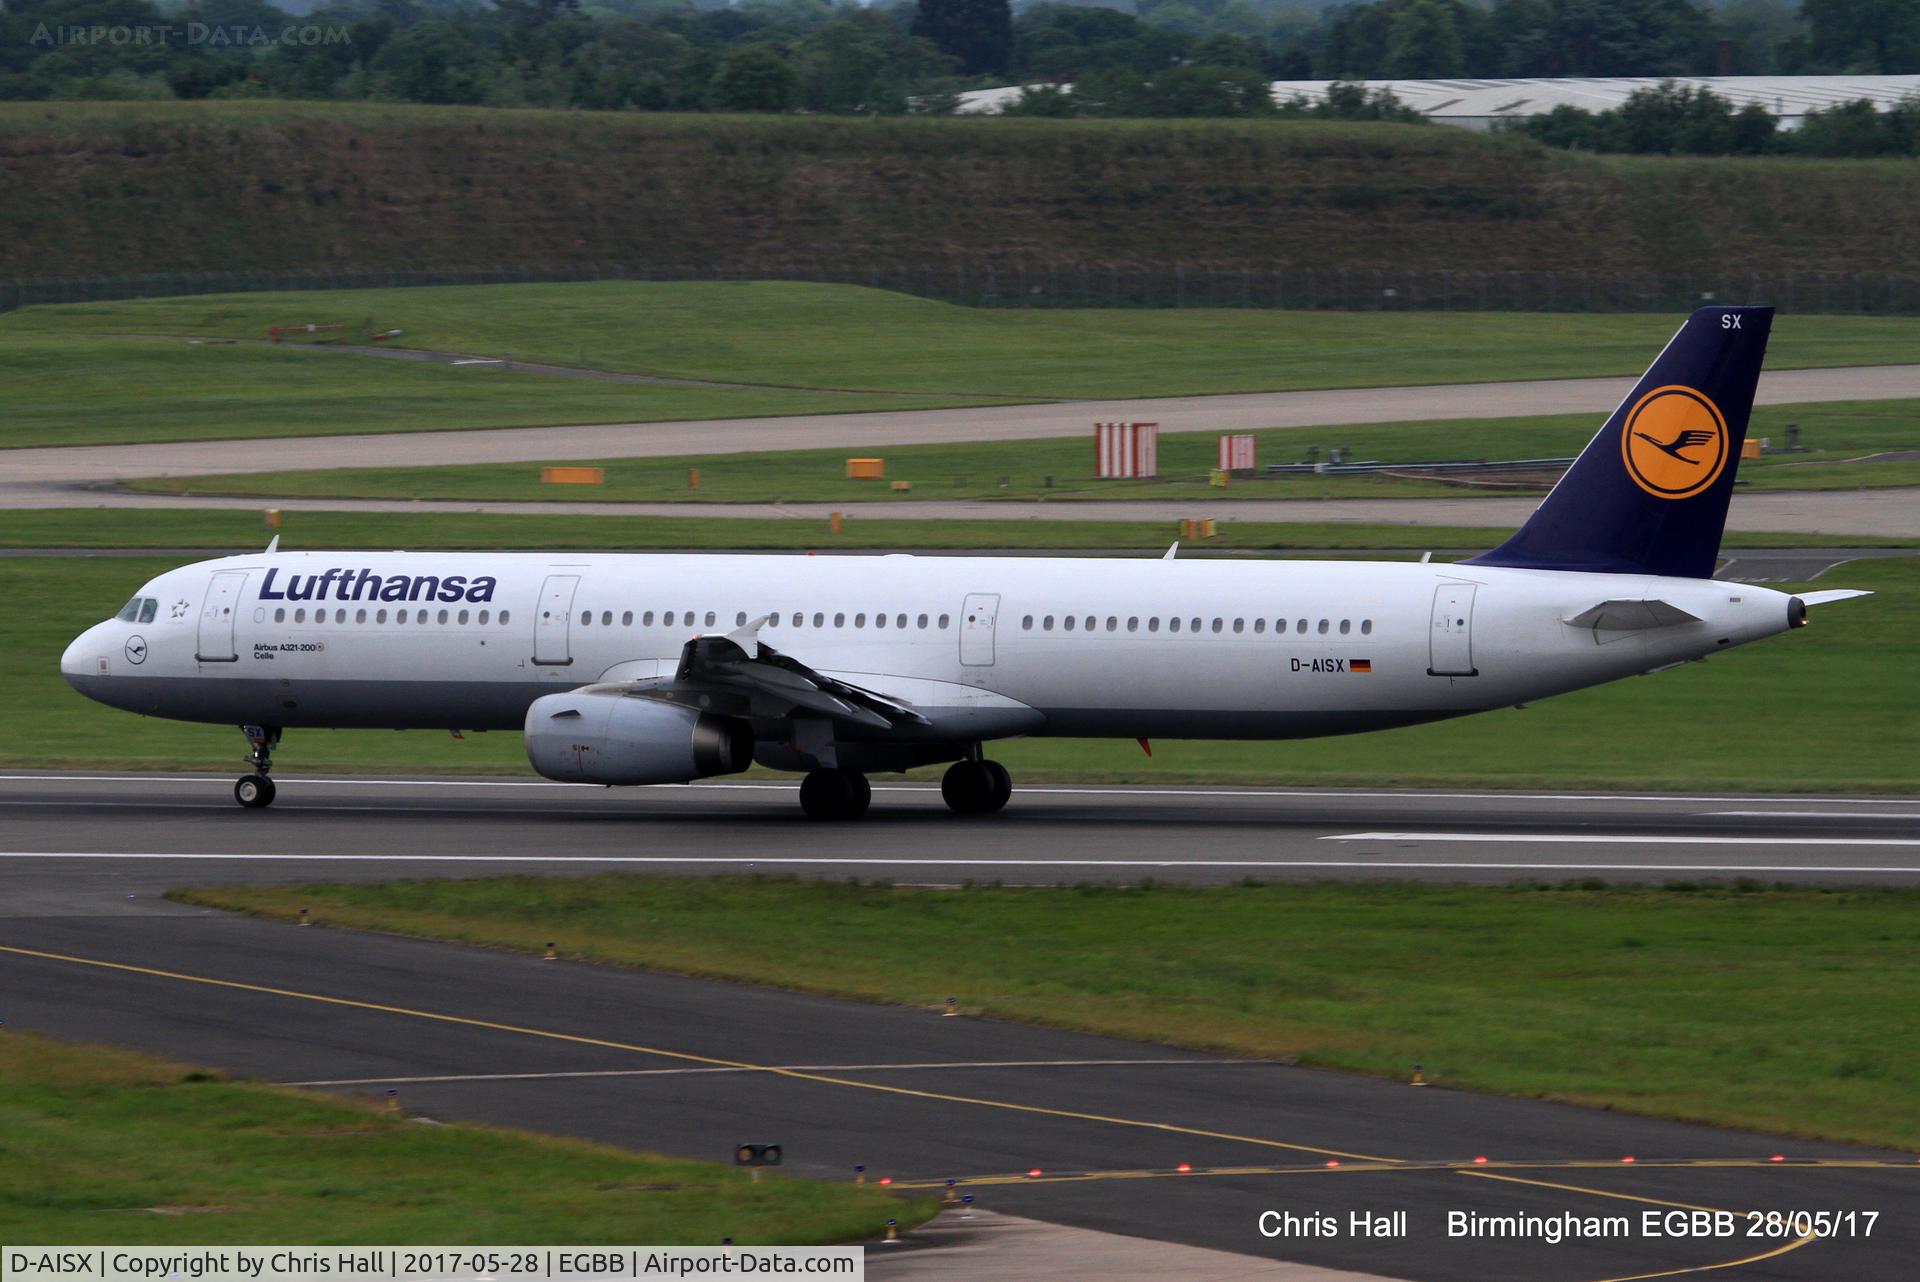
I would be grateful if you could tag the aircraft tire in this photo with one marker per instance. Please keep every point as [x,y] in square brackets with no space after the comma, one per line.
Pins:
[835,794]
[255,792]
[1002,786]
[968,788]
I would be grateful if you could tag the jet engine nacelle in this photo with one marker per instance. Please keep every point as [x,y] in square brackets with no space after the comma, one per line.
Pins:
[589,737]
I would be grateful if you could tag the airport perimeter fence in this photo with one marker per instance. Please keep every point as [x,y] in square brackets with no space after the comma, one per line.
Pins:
[1065,284]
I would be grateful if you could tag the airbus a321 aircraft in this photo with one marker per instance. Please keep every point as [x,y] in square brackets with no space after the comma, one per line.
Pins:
[643,669]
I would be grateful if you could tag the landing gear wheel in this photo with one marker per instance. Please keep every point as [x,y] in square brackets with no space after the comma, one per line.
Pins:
[1002,785]
[835,794]
[255,792]
[976,787]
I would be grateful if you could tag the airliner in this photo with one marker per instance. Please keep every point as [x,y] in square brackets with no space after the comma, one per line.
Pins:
[626,669]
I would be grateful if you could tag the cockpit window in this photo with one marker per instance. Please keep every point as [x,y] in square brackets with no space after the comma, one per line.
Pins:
[147,609]
[130,612]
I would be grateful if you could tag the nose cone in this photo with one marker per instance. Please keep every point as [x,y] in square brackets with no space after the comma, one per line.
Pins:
[82,659]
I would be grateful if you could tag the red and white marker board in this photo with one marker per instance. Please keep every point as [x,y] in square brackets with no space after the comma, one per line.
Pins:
[1236,452]
[1127,449]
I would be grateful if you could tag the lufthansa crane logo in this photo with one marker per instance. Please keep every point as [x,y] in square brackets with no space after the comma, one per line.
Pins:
[1674,442]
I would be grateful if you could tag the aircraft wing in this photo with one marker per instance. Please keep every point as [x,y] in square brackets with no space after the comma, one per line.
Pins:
[742,675]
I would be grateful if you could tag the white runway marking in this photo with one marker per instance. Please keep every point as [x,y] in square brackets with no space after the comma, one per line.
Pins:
[1036,790]
[1618,839]
[773,1068]
[708,861]
[1811,814]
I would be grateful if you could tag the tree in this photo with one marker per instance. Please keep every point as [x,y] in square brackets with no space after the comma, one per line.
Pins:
[753,78]
[1423,41]
[976,33]
[1876,36]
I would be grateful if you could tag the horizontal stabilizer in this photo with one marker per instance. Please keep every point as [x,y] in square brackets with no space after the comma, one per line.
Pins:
[1631,616]
[1832,594]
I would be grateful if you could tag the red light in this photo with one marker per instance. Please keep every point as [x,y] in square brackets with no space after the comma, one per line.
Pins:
[1778,1157]
[886,1179]
[1184,1167]
[1479,1161]
[1034,1174]
[1628,1158]
[1333,1161]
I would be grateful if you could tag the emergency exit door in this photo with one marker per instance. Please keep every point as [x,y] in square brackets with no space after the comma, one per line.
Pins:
[550,621]
[1450,640]
[977,614]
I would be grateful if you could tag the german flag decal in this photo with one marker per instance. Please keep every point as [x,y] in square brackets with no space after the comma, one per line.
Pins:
[1360,665]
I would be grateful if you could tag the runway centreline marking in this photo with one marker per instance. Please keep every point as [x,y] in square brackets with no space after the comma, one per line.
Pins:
[1061,790]
[1458,1167]
[798,1068]
[763,861]
[469,1021]
[1618,839]
[1810,814]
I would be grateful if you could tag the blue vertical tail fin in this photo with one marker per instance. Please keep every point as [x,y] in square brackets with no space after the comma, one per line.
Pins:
[1649,494]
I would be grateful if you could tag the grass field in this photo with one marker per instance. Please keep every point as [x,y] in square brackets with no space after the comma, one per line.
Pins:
[1787,1010]
[243,531]
[1832,708]
[802,335]
[96,390]
[1059,470]
[104,1143]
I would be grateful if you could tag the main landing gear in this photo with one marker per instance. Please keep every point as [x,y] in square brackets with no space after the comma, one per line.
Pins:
[976,787]
[255,791]
[835,794]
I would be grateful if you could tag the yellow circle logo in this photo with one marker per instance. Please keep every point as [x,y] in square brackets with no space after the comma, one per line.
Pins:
[1674,442]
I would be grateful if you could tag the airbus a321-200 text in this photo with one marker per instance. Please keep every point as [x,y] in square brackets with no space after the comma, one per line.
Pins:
[650,669]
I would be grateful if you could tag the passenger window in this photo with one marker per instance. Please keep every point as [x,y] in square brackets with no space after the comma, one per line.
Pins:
[462,619]
[879,620]
[147,609]
[399,616]
[1196,625]
[606,618]
[709,618]
[799,619]
[860,620]
[1323,627]
[646,620]
[1366,627]
[740,619]
[840,620]
[360,616]
[419,616]
[899,620]
[819,620]
[626,618]
[1173,625]
[1153,624]
[1259,626]
[1113,623]
[1133,623]
[667,618]
[1346,626]
[943,621]
[1026,624]
[586,617]
[503,618]
[280,615]
[923,623]
[1301,628]
[380,616]
[319,616]
[1067,623]
[1218,624]
[1239,625]
[1046,624]
[483,616]
[443,616]
[300,615]
[340,615]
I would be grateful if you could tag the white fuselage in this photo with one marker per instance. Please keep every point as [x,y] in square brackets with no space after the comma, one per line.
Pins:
[985,647]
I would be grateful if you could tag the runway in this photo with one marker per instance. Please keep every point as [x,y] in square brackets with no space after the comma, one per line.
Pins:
[87,949]
[141,833]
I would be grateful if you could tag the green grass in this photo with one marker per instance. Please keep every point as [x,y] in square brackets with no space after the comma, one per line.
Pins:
[83,389]
[844,337]
[104,1143]
[1062,469]
[244,531]
[1831,708]
[1786,1010]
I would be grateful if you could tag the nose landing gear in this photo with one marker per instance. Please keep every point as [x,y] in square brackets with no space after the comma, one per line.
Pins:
[255,791]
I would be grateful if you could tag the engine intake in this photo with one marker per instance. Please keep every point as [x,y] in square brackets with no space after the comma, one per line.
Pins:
[584,737]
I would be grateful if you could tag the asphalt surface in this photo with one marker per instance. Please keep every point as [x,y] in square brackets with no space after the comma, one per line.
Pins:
[147,832]
[89,950]
[36,474]
[692,1067]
